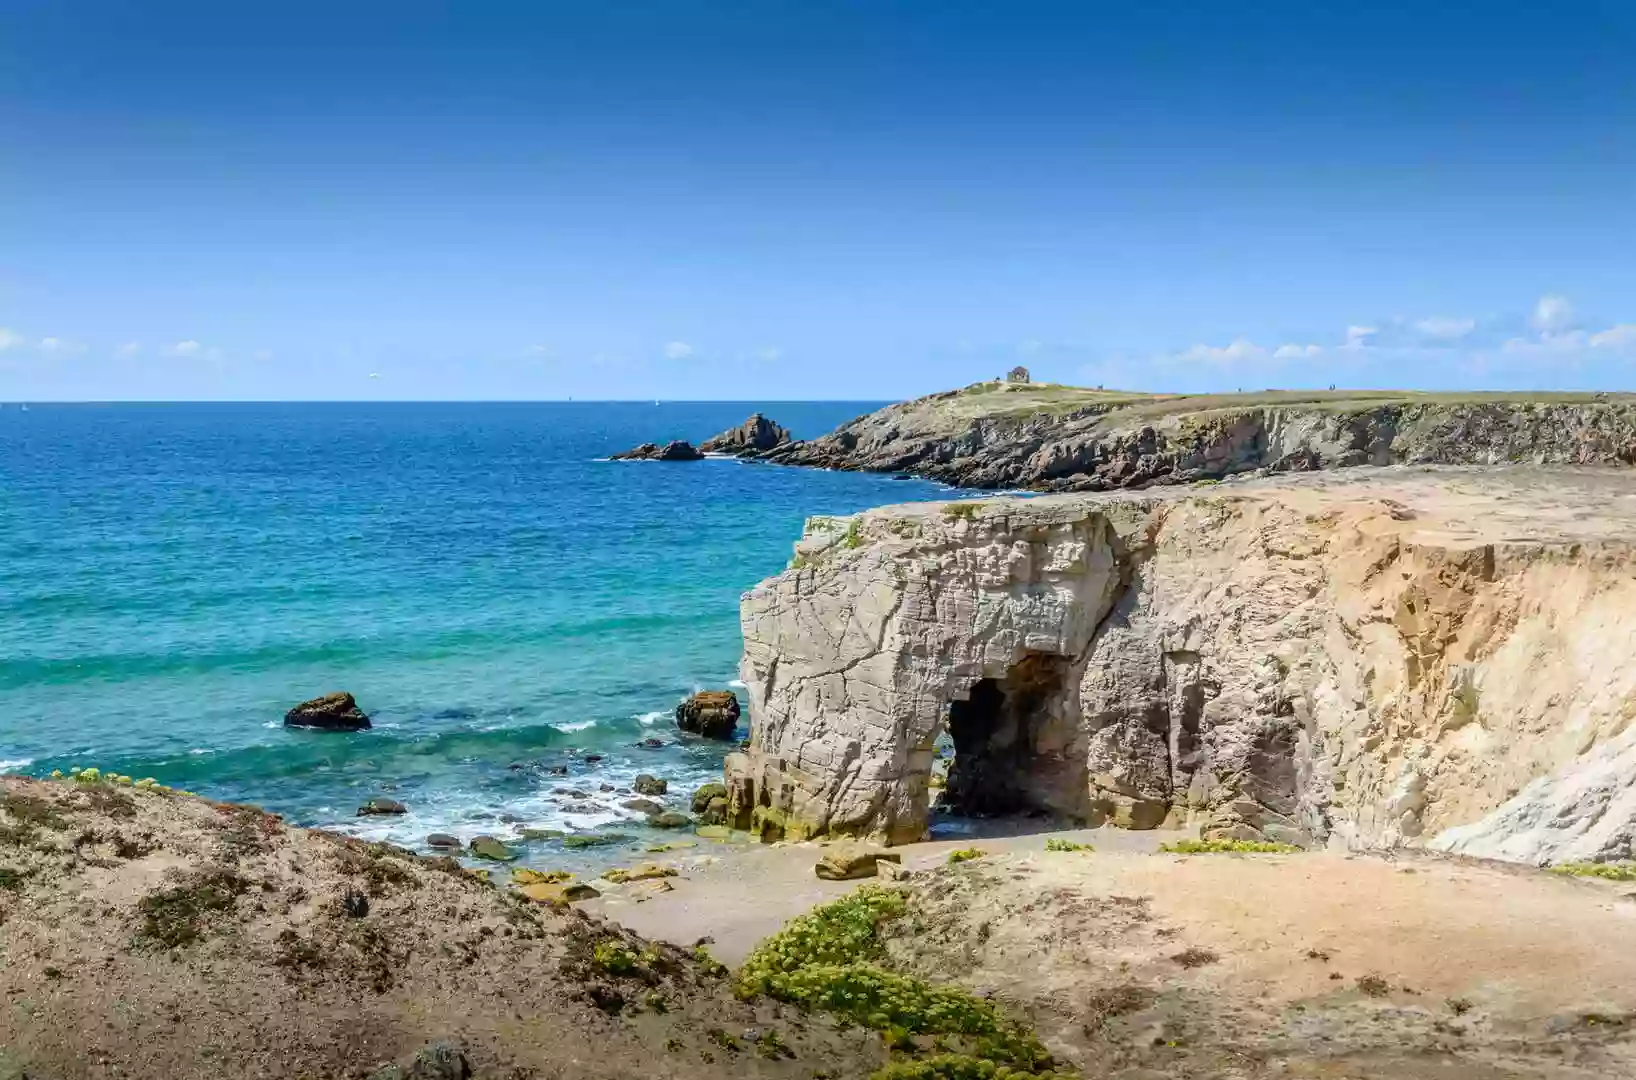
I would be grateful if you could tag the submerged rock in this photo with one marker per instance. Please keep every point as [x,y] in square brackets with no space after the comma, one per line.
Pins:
[488,847]
[643,806]
[670,820]
[675,450]
[442,840]
[755,436]
[332,712]
[382,806]
[711,713]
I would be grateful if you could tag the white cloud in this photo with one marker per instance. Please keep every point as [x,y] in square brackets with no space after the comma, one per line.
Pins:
[770,353]
[1622,336]
[1237,352]
[1030,347]
[1357,337]
[186,348]
[1444,327]
[9,339]
[678,350]
[262,354]
[1553,314]
[130,348]
[1297,352]
[51,344]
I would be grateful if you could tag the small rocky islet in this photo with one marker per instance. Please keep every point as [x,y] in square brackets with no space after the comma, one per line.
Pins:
[753,438]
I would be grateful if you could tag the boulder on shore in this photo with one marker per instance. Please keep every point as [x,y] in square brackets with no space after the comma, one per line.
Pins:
[332,712]
[848,861]
[711,713]
[675,450]
[755,436]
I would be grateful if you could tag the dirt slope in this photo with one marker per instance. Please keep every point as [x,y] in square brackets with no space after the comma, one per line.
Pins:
[144,934]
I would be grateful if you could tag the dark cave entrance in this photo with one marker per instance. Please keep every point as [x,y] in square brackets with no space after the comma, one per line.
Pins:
[1011,736]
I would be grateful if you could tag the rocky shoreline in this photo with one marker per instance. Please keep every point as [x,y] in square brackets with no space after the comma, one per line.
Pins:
[1056,438]
[237,945]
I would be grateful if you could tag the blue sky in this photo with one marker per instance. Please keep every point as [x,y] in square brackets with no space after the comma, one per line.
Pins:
[768,200]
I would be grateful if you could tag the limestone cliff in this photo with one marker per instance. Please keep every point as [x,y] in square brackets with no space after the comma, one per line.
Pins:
[1373,657]
[1062,438]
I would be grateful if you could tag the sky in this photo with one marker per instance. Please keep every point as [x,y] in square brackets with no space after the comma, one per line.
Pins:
[810,199]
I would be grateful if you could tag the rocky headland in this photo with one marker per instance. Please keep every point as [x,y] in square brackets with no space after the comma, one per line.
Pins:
[1421,656]
[1058,438]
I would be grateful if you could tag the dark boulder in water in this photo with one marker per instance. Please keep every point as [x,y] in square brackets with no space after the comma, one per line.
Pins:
[332,712]
[676,450]
[376,807]
[711,713]
[645,784]
[755,436]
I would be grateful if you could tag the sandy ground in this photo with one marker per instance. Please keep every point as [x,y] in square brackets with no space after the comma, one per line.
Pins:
[1135,964]
[738,894]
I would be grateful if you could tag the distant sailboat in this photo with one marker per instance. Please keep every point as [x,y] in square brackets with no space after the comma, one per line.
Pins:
[24,408]
[656,401]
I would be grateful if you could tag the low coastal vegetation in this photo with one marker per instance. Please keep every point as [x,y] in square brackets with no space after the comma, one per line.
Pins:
[1057,843]
[965,855]
[1227,847]
[1608,871]
[832,960]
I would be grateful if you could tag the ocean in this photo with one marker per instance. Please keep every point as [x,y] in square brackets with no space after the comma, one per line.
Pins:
[173,577]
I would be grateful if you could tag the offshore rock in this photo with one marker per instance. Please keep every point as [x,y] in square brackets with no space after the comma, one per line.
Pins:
[332,712]
[1062,438]
[711,713]
[755,436]
[1371,658]
[676,450]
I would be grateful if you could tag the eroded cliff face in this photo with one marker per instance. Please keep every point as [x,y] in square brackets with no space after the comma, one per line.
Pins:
[1377,657]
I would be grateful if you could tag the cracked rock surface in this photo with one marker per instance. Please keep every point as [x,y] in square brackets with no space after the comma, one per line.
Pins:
[1367,657]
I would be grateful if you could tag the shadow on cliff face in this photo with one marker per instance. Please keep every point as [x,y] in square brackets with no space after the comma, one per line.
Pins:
[1013,738]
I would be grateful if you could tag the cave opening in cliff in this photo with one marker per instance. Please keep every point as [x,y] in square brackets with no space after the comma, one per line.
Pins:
[1007,741]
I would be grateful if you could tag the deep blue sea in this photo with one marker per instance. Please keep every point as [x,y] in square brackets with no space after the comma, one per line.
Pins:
[174,577]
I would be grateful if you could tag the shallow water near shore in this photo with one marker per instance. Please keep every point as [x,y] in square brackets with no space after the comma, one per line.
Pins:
[174,577]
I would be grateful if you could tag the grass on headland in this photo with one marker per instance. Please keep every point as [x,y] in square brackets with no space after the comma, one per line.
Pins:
[830,960]
[965,855]
[1608,871]
[1057,843]
[1219,847]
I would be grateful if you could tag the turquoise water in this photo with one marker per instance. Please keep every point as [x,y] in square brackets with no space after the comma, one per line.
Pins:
[174,577]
